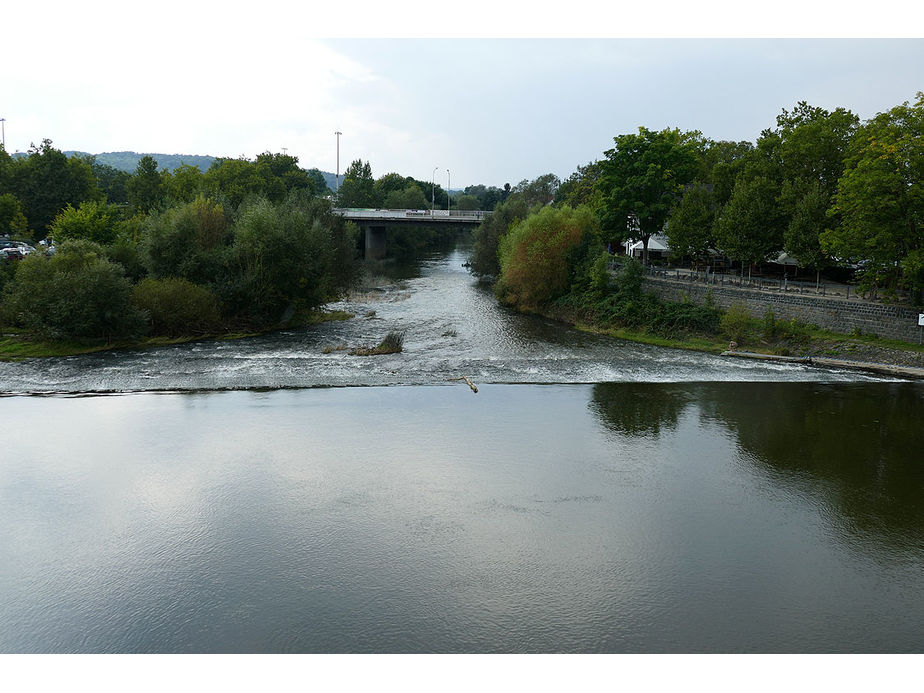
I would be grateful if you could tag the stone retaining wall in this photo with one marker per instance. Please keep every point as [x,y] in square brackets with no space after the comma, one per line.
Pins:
[836,314]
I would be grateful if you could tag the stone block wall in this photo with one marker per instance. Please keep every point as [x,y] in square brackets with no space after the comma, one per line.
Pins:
[836,314]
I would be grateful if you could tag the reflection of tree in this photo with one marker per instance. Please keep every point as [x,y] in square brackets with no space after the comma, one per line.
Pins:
[865,441]
[639,409]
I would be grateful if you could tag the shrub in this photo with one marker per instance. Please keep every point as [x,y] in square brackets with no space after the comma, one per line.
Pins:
[177,307]
[76,294]
[737,323]
[536,258]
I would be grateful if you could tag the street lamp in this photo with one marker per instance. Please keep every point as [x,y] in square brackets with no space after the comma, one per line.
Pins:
[433,191]
[448,193]
[338,133]
[3,125]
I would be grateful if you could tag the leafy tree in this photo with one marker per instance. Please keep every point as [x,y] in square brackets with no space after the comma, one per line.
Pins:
[281,256]
[387,184]
[12,220]
[689,227]
[720,162]
[46,181]
[810,219]
[488,234]
[177,307]
[185,183]
[536,255]
[281,175]
[750,227]
[357,189]
[187,241]
[233,180]
[318,183]
[641,178]
[75,295]
[467,203]
[91,221]
[411,197]
[813,142]
[146,189]
[880,196]
[539,191]
[111,181]
[488,197]
[581,187]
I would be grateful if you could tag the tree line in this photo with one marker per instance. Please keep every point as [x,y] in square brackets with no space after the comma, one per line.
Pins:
[822,186]
[247,245]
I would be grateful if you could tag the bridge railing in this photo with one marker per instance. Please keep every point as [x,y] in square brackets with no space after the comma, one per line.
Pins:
[358,213]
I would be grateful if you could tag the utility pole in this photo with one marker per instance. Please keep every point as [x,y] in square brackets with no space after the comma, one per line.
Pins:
[338,133]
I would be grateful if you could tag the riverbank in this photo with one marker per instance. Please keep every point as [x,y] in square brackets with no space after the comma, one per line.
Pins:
[815,347]
[16,346]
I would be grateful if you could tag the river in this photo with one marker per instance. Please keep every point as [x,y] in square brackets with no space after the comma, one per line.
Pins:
[277,494]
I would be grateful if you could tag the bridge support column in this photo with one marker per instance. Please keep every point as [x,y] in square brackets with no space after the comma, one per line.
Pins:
[375,242]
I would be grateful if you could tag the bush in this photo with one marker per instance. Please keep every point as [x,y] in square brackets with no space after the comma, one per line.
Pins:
[177,307]
[737,323]
[76,295]
[536,256]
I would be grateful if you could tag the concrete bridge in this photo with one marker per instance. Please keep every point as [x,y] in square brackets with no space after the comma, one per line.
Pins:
[374,222]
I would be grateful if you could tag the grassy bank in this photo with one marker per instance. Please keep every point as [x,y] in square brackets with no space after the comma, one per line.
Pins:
[759,335]
[17,345]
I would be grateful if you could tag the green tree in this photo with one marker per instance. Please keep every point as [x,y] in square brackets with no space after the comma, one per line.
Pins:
[641,178]
[187,241]
[690,225]
[809,221]
[358,187]
[46,181]
[486,237]
[111,181]
[581,187]
[91,221]
[750,227]
[880,196]
[467,203]
[411,197]
[319,184]
[75,295]
[539,191]
[12,220]
[537,257]
[146,189]
[185,183]
[177,307]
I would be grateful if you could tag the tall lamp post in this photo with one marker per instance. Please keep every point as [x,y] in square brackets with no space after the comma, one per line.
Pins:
[433,191]
[338,133]
[448,193]
[3,125]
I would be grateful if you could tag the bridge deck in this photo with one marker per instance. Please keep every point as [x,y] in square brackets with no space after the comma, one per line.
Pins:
[419,215]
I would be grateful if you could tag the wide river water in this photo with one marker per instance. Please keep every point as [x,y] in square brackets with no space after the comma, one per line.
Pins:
[276,494]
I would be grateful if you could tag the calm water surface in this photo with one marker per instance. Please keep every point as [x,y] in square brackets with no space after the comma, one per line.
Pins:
[225,498]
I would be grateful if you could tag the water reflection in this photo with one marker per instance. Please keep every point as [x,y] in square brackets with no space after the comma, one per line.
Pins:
[639,409]
[859,445]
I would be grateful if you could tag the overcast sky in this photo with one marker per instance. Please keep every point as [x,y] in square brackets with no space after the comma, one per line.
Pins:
[232,79]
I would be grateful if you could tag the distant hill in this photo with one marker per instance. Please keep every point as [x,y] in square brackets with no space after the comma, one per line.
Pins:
[128,161]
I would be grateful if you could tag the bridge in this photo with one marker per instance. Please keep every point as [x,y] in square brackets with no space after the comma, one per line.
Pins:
[374,222]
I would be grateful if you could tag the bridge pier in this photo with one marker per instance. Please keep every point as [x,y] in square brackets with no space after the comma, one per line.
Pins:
[375,242]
